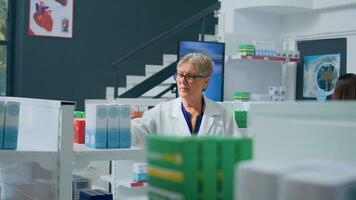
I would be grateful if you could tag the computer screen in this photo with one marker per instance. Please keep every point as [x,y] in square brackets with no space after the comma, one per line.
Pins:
[216,51]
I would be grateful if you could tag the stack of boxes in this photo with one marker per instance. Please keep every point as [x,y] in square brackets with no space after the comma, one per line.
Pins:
[95,195]
[194,167]
[9,124]
[80,184]
[107,126]
[113,130]
[246,50]
[140,175]
[265,49]
[277,93]
[288,54]
[125,126]
[96,127]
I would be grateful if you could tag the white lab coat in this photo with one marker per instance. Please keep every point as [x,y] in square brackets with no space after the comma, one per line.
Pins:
[167,118]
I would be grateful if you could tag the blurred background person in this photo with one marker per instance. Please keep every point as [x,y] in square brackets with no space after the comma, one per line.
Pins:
[345,88]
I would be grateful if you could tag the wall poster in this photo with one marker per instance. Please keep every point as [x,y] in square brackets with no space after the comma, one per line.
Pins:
[320,73]
[321,64]
[53,18]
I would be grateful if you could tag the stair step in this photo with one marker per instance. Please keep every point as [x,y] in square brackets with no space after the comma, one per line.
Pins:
[169,80]
[166,96]
[169,95]
[156,90]
[130,79]
[121,90]
[151,93]
[129,86]
[152,69]
[169,59]
[166,84]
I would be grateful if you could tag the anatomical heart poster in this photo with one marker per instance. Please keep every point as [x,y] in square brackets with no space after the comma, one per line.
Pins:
[53,18]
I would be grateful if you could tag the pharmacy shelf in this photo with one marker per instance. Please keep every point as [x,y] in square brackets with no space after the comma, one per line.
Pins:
[58,160]
[276,7]
[83,155]
[139,193]
[47,159]
[123,182]
[281,59]
[127,183]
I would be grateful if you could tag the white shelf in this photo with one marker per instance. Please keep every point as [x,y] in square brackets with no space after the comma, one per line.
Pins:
[83,155]
[64,156]
[268,58]
[58,133]
[47,160]
[277,7]
[123,182]
[123,187]
[287,7]
[139,193]
[23,156]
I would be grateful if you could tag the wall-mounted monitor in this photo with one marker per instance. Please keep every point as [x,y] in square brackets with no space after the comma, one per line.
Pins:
[216,51]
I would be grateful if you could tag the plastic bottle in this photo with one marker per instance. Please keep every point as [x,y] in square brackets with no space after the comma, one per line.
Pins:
[240,108]
[79,127]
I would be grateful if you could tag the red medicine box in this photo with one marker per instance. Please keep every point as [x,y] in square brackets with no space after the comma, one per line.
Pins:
[79,131]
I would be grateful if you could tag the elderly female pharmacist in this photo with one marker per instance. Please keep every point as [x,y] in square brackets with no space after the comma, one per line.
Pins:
[190,114]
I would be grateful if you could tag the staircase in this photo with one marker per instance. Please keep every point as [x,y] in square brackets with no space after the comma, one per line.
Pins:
[150,70]
[153,84]
[131,81]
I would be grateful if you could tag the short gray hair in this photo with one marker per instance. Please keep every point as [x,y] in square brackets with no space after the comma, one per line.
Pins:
[200,61]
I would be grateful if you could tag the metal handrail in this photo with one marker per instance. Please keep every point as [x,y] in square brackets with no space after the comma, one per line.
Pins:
[168,33]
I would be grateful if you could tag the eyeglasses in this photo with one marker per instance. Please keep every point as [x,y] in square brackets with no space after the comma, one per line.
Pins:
[187,77]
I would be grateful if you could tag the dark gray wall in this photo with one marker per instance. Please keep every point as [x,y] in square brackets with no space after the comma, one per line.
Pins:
[80,68]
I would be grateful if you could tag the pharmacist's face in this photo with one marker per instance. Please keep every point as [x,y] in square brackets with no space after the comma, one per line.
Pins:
[189,82]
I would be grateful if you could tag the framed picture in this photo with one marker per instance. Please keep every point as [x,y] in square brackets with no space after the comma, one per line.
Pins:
[52,18]
[321,64]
